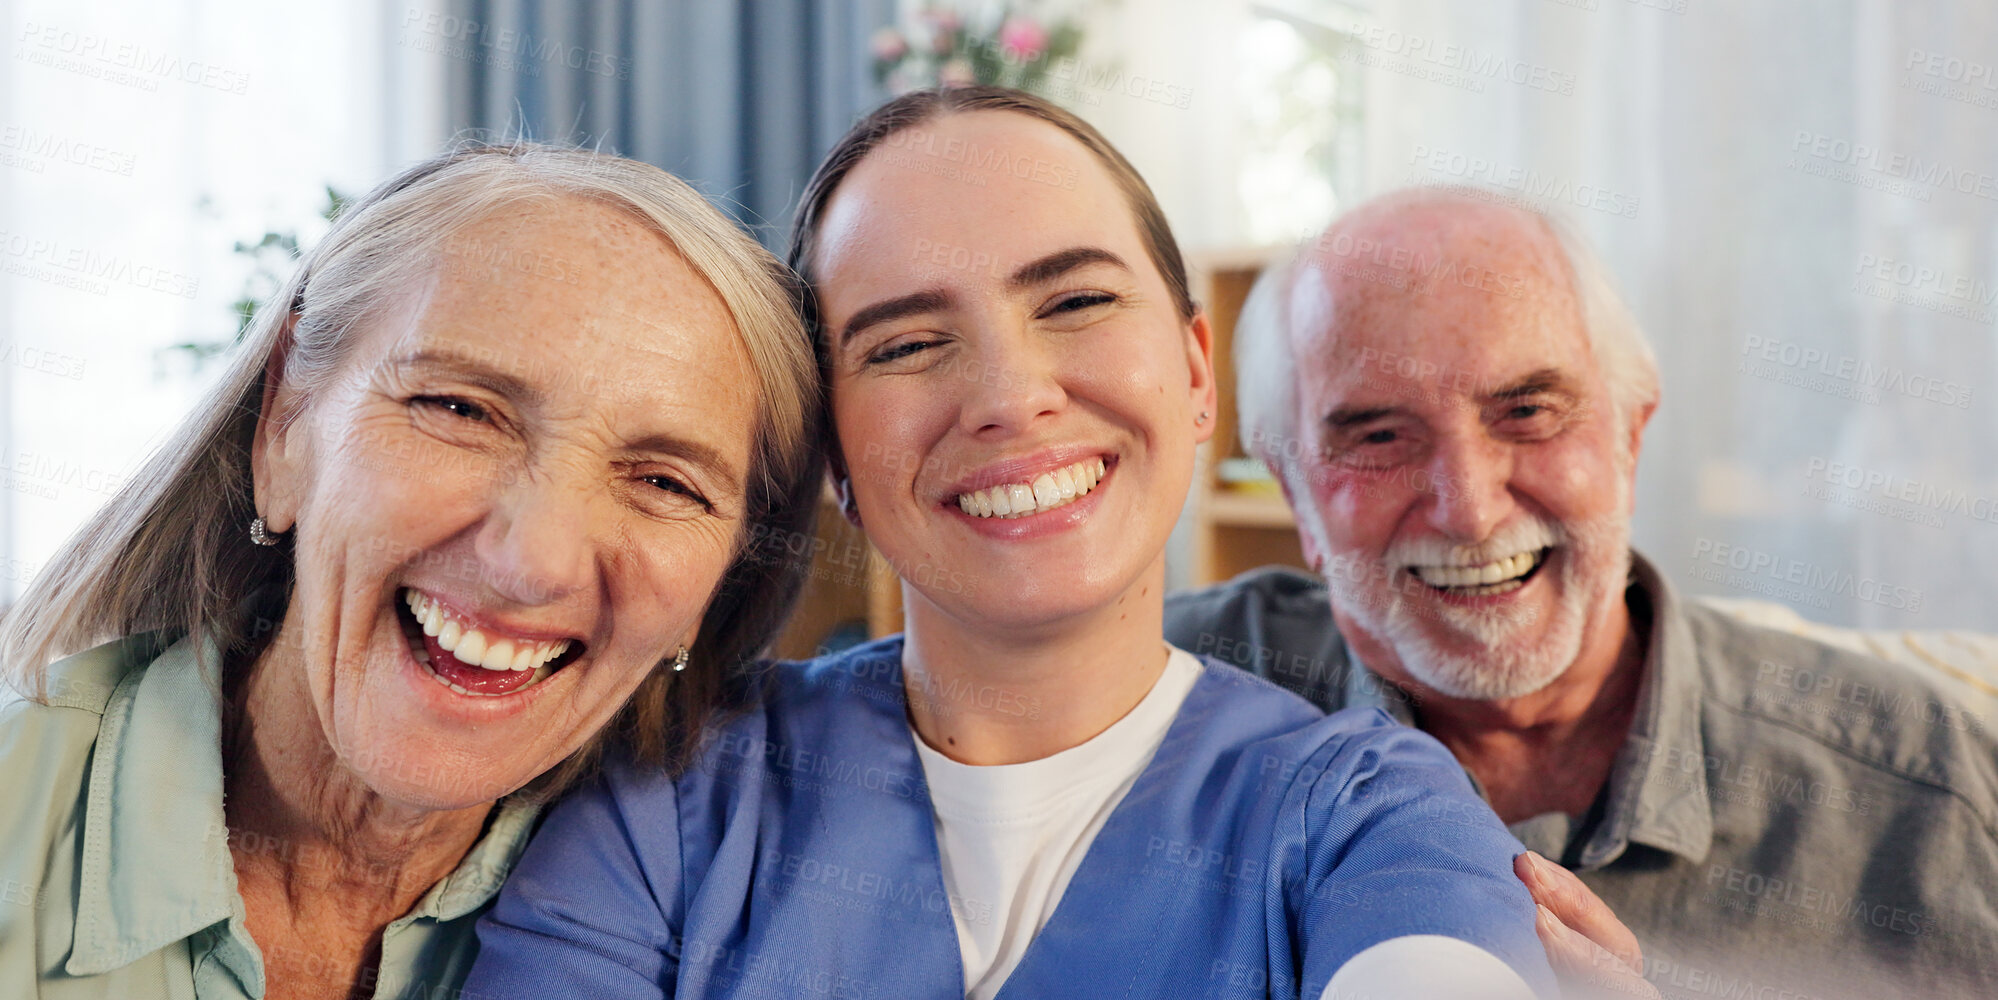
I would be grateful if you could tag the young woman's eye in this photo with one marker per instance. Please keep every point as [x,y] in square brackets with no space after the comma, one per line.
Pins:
[899,351]
[1079,302]
[668,484]
[462,408]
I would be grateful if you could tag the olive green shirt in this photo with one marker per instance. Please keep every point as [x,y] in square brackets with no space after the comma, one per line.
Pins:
[116,878]
[1785,821]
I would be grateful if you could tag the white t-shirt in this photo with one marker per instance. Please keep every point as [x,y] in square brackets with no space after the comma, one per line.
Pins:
[1012,835]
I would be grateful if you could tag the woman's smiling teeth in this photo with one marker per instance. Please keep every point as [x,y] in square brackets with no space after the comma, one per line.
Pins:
[1499,577]
[475,648]
[1046,492]
[474,661]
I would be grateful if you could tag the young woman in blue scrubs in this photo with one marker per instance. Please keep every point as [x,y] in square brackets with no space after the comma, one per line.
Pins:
[1027,793]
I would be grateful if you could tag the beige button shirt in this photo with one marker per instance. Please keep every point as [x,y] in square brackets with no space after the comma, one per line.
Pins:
[116,879]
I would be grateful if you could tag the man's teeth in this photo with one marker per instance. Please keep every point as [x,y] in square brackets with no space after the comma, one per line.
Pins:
[1504,571]
[475,647]
[1046,492]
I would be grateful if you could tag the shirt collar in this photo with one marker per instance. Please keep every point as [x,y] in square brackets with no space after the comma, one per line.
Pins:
[156,866]
[1658,785]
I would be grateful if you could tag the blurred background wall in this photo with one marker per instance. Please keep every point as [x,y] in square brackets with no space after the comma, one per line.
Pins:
[1799,198]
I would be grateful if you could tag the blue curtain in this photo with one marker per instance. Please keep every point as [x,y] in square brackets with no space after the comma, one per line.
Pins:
[740,99]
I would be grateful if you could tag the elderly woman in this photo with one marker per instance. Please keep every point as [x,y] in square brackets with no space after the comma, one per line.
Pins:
[475,499]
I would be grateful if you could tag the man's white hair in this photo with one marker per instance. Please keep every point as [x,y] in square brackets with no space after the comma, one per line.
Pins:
[1266,366]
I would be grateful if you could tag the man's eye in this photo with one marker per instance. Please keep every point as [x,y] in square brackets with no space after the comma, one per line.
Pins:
[1378,437]
[1525,411]
[453,405]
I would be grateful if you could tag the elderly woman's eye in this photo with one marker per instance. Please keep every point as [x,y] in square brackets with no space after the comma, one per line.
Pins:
[454,406]
[667,484]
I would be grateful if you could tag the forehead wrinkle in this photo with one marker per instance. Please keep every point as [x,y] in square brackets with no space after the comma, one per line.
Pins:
[1451,230]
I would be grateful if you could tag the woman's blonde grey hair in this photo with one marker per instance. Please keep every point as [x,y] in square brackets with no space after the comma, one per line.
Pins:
[172,550]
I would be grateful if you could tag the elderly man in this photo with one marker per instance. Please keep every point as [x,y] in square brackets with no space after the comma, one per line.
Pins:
[1453,400]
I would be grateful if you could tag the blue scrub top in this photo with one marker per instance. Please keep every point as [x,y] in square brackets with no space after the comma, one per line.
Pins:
[1263,846]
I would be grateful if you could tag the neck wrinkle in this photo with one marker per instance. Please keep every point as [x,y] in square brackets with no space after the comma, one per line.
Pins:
[301,823]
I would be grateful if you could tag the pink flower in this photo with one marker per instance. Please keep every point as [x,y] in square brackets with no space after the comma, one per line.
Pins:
[1023,38]
[956,73]
[943,19]
[943,23]
[889,45]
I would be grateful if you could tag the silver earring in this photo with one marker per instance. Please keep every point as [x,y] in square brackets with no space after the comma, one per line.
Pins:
[1203,416]
[260,533]
[680,661]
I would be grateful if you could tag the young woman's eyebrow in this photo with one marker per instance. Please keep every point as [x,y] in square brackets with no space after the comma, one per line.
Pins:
[1054,265]
[927,300]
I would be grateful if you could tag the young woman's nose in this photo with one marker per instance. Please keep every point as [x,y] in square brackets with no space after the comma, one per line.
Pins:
[1008,383]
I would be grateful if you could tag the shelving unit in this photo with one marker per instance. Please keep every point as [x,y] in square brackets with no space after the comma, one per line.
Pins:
[1236,526]
[850,586]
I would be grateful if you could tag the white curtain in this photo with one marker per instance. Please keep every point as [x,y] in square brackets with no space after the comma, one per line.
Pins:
[139,141]
[1799,199]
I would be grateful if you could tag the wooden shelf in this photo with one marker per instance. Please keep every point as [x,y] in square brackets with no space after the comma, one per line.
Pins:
[851,587]
[1234,530]
[1236,509]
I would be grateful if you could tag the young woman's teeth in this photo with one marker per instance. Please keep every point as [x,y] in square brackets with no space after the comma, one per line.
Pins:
[1502,576]
[1046,492]
[476,648]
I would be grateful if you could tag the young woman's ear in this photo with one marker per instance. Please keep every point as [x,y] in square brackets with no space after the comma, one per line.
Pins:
[842,486]
[1200,366]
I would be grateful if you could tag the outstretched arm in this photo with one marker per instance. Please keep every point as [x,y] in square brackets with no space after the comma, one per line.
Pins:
[582,914]
[1409,874]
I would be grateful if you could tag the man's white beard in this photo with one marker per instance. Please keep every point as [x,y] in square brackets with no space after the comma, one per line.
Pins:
[1428,637]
